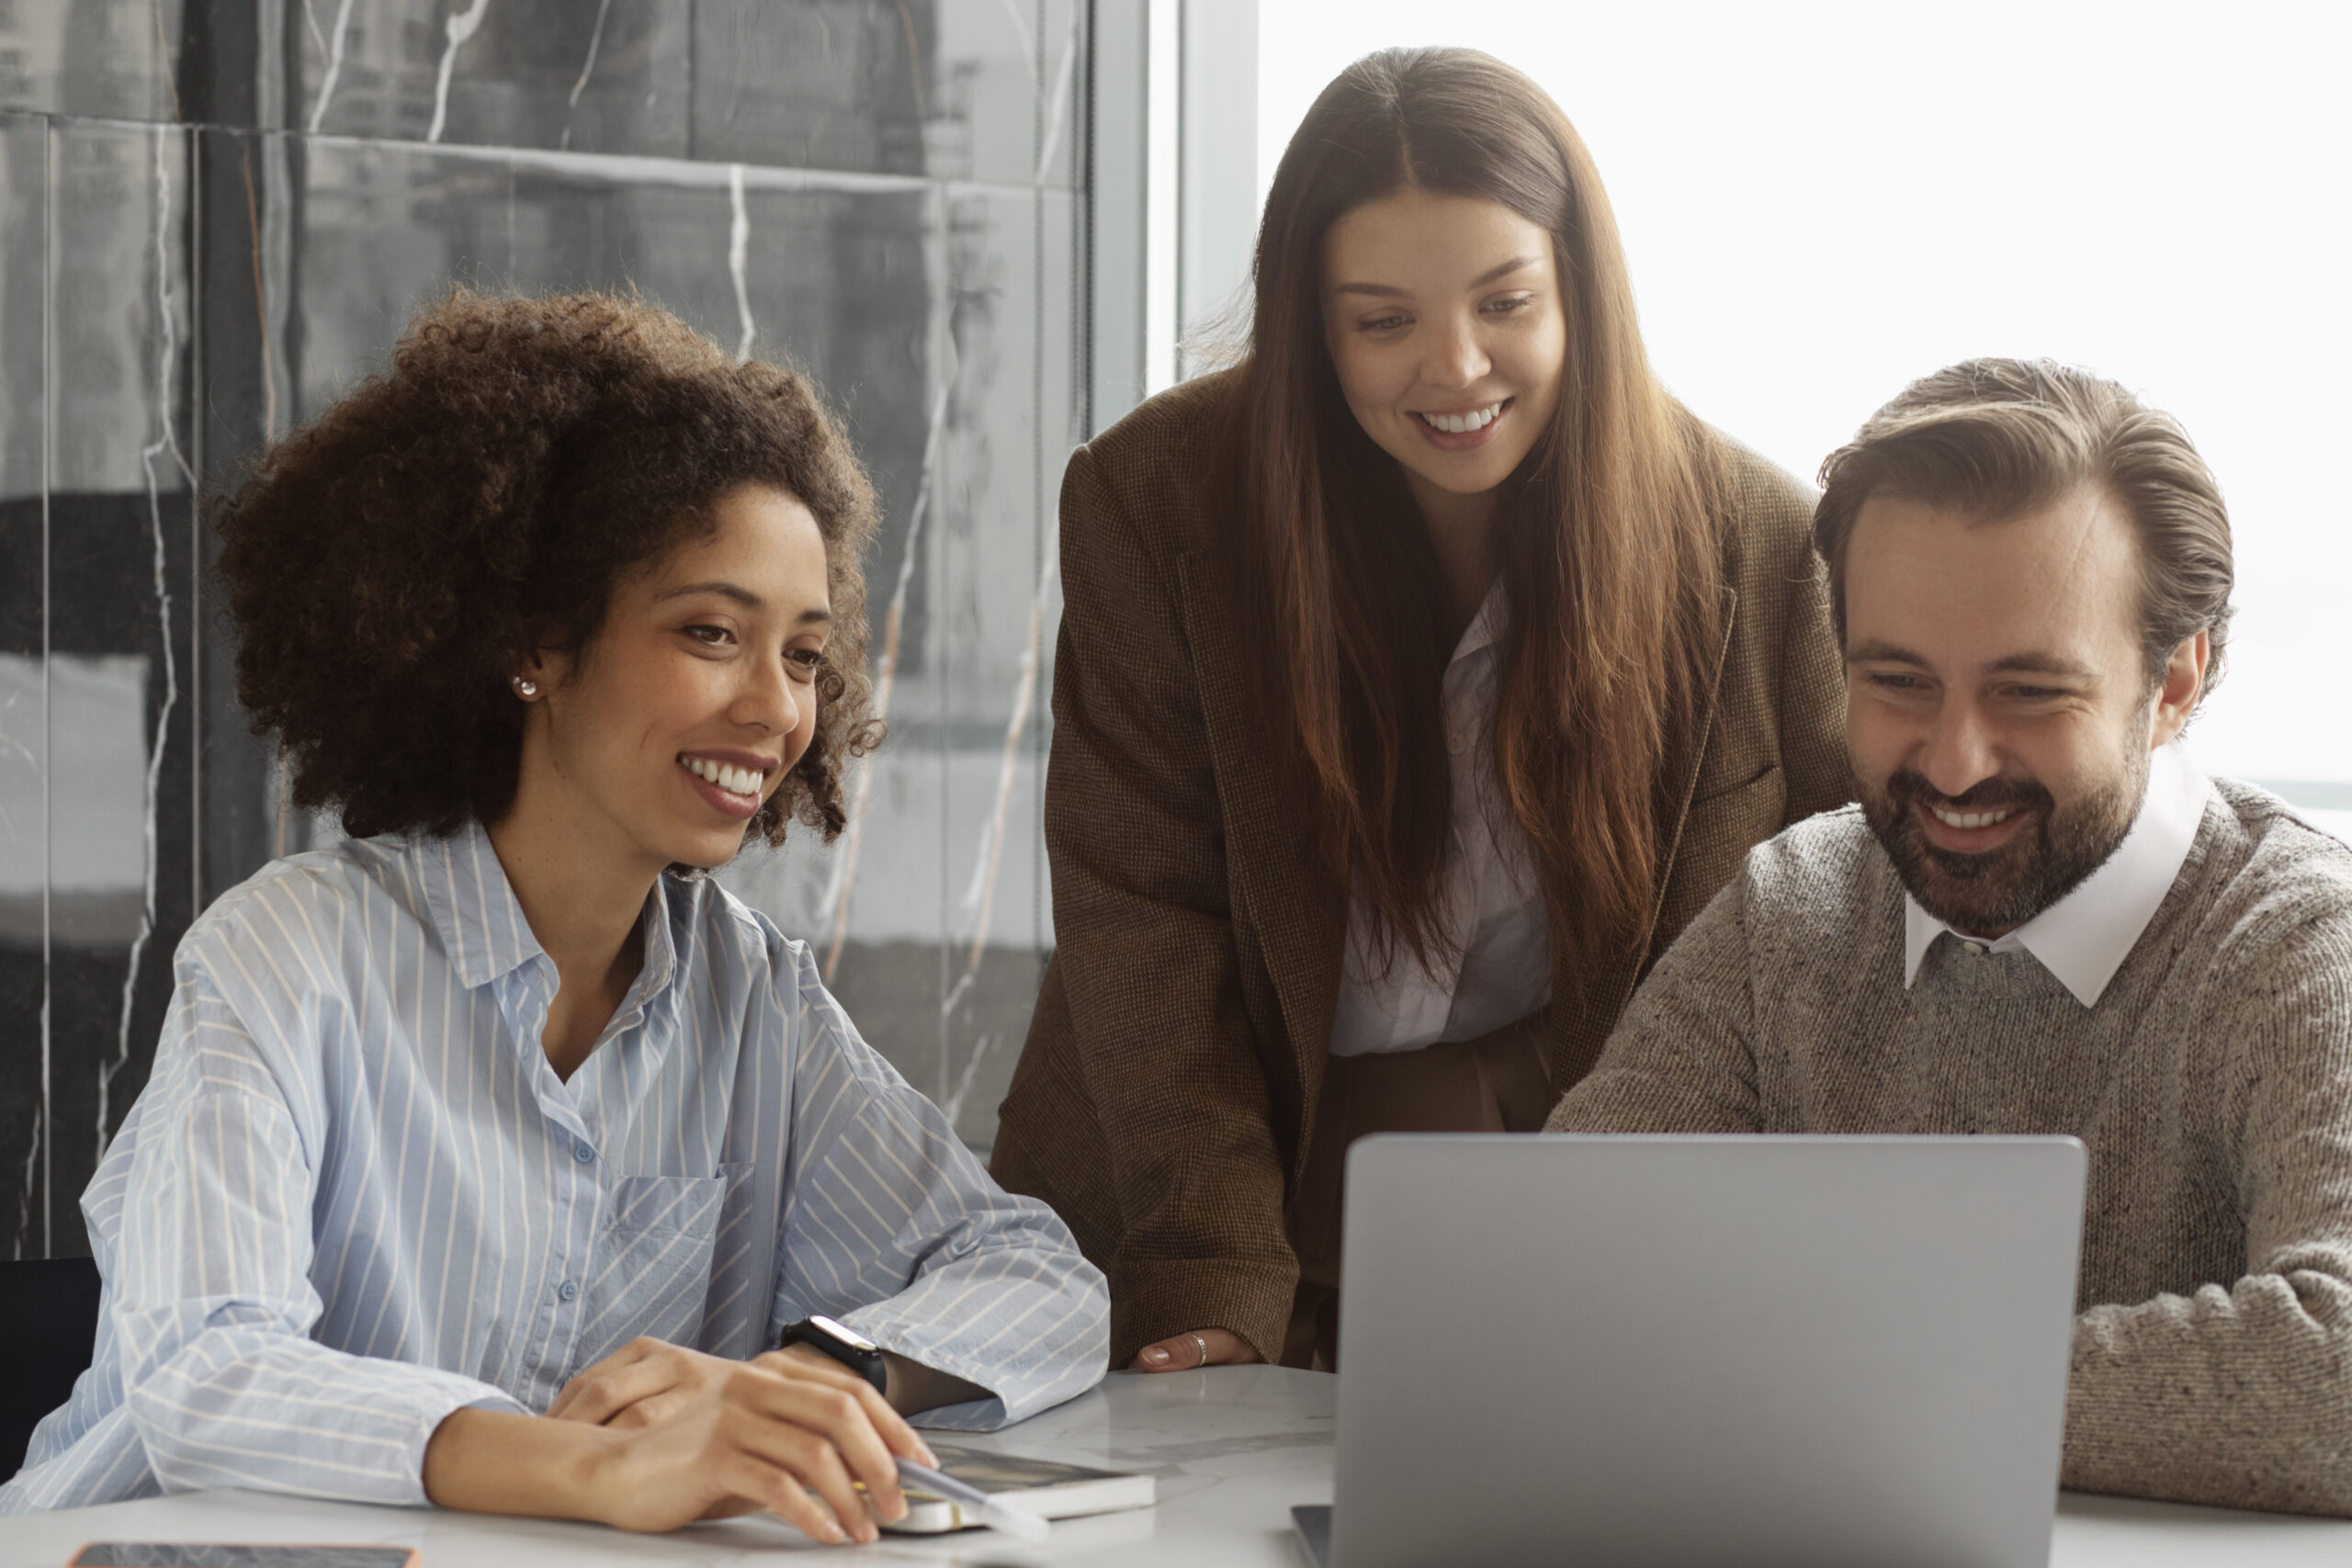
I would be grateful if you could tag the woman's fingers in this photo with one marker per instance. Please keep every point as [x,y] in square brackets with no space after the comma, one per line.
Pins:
[1200,1348]
[794,1433]
[773,1487]
[595,1397]
[843,1416]
[638,1370]
[897,1436]
[650,1412]
[804,1430]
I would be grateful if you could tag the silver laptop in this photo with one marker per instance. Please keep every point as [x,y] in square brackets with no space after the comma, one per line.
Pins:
[1674,1350]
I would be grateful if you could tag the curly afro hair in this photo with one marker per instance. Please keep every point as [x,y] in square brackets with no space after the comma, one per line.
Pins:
[392,563]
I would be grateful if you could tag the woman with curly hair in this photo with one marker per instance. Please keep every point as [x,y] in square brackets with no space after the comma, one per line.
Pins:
[496,1157]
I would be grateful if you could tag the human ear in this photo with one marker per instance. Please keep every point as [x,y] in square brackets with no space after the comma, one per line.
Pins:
[2177,694]
[540,673]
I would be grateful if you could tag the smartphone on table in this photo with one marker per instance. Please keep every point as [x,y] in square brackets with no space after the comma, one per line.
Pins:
[229,1554]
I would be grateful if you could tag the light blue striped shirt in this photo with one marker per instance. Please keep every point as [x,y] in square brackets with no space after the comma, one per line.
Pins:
[355,1196]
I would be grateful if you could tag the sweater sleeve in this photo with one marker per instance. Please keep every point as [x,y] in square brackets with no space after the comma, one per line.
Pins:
[1682,1057]
[2240,1394]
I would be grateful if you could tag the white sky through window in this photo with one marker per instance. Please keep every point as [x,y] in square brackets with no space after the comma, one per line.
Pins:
[1821,201]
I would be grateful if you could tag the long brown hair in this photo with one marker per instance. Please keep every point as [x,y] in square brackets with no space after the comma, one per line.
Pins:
[1604,536]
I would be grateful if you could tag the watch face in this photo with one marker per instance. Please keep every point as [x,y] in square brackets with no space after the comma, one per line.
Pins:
[846,1335]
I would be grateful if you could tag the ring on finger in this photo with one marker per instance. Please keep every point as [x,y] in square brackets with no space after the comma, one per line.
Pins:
[1202,1347]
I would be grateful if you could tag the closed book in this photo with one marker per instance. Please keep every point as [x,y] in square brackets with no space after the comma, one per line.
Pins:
[1048,1488]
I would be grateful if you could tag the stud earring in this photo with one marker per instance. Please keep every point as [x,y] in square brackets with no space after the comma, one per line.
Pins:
[525,687]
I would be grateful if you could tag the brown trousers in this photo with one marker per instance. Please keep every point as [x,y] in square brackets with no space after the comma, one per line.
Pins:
[1493,1084]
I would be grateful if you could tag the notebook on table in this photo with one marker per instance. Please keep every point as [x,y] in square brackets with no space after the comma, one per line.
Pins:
[1048,1488]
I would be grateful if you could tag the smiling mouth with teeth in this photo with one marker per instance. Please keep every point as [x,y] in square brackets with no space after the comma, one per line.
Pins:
[1973,818]
[1463,423]
[734,781]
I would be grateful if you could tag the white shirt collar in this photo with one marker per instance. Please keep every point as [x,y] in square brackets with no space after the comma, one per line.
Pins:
[1491,621]
[2084,938]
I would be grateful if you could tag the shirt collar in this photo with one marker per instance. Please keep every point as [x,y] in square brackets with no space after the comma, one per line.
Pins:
[2084,938]
[1491,621]
[481,923]
[474,906]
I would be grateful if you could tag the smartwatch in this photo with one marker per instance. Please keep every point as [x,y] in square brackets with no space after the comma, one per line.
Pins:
[844,1345]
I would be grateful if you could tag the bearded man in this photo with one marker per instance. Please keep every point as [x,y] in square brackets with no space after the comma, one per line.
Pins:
[2044,918]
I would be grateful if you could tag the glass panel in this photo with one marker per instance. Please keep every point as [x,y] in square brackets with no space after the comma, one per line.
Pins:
[25,1194]
[120,605]
[592,75]
[105,59]
[933,909]
[878,192]
[958,90]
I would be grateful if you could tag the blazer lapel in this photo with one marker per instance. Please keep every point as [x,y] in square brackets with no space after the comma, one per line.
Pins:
[1299,918]
[1579,1033]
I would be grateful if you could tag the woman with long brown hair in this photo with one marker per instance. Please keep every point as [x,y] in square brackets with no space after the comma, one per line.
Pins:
[1420,676]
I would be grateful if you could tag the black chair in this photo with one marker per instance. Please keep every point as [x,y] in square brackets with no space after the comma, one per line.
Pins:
[49,1327]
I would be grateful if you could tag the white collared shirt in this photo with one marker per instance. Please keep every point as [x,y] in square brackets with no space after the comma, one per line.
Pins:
[2084,938]
[1492,898]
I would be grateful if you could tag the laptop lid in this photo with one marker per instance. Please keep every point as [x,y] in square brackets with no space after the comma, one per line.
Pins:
[1686,1351]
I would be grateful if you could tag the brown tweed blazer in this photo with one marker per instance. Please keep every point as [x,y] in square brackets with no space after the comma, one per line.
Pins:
[1163,1102]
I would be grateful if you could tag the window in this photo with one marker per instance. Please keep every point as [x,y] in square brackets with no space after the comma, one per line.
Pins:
[1823,201]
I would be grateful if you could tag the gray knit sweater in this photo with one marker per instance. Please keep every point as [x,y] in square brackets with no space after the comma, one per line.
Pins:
[2213,1084]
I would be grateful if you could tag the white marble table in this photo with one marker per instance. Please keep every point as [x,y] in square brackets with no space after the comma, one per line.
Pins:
[1234,1449]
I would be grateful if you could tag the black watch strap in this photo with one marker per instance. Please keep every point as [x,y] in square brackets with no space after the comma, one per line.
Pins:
[844,1345]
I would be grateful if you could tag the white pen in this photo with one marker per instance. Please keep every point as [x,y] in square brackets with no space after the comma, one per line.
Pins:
[1016,1522]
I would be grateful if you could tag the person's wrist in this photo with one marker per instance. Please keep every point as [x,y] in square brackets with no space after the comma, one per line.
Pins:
[588,1475]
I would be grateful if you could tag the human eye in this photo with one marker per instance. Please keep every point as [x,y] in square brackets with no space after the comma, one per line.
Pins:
[804,662]
[1896,682]
[1386,322]
[707,635]
[1510,304]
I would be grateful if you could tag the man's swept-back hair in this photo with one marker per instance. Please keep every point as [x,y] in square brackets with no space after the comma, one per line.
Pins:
[391,564]
[1992,438]
[1607,534]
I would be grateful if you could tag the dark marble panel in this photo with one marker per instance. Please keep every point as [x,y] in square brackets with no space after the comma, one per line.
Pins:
[892,989]
[1012,255]
[24,218]
[957,89]
[592,75]
[24,691]
[245,217]
[952,89]
[839,280]
[171,299]
[105,59]
[118,525]
[936,898]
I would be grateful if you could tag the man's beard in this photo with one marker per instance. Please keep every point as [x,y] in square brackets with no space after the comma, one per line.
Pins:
[2045,858]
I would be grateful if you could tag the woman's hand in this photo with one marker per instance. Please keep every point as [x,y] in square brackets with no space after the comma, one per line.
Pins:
[778,1434]
[1200,1348]
[656,1437]
[647,1379]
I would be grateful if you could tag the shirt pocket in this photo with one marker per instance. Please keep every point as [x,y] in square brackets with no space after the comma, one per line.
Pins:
[653,1260]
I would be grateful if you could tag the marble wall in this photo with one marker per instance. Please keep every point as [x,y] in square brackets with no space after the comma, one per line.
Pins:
[216,214]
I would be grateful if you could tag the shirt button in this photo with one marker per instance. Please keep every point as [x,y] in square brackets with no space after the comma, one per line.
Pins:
[583,1153]
[569,1290]
[1975,947]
